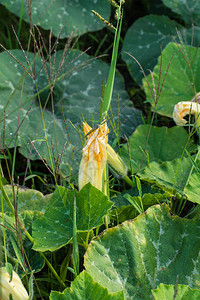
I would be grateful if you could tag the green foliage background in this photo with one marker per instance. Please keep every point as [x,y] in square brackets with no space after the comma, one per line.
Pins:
[140,241]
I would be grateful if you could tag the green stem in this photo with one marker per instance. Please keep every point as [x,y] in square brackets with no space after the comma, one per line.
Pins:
[6,197]
[52,269]
[128,180]
[106,221]
[111,75]
[75,243]
[106,181]
[86,240]
[14,157]
[106,190]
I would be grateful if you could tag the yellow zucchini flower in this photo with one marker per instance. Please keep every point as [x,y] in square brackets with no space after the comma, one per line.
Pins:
[184,108]
[95,154]
[14,287]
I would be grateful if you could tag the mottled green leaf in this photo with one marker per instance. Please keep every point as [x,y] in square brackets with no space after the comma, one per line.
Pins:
[67,15]
[178,292]
[192,189]
[75,96]
[189,10]
[174,176]
[147,37]
[144,40]
[151,143]
[26,199]
[55,228]
[171,174]
[136,256]
[182,80]
[85,288]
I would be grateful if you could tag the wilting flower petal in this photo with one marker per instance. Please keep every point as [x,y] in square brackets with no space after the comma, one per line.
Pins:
[116,162]
[14,287]
[184,108]
[94,156]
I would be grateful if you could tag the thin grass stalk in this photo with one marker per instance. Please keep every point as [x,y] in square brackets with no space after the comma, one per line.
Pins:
[3,221]
[111,75]
[14,157]
[46,139]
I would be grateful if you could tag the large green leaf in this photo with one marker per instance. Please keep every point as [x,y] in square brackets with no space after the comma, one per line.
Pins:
[84,288]
[147,36]
[182,81]
[79,94]
[20,110]
[143,41]
[189,10]
[151,143]
[19,248]
[192,189]
[55,228]
[171,174]
[25,199]
[174,176]
[67,15]
[178,292]
[137,255]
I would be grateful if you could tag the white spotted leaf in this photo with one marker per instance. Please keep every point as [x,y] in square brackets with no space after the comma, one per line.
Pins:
[136,256]
[67,15]
[151,143]
[178,292]
[189,10]
[147,36]
[182,80]
[77,95]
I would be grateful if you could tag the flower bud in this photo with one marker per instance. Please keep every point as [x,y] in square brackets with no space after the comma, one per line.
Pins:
[116,162]
[13,287]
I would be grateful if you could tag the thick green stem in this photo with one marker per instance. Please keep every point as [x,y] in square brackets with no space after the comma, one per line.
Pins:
[111,75]
[128,180]
[75,243]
